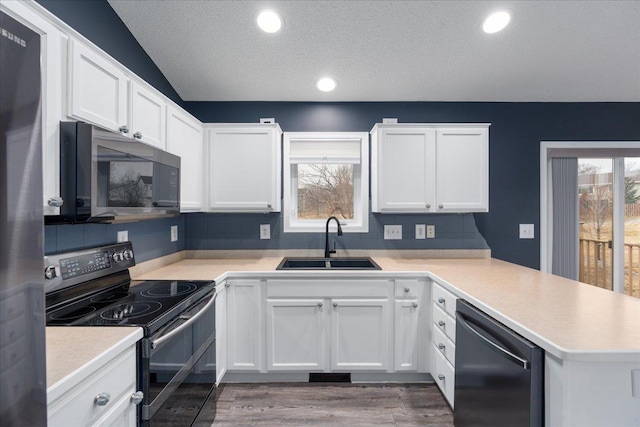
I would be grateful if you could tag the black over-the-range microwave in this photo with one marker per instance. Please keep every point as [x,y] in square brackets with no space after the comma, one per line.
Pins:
[108,177]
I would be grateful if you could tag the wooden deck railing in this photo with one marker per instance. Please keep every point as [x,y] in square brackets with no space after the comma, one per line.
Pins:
[596,265]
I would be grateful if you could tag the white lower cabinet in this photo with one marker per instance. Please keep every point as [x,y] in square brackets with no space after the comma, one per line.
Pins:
[244,325]
[443,373]
[296,334]
[359,334]
[443,349]
[115,380]
[406,335]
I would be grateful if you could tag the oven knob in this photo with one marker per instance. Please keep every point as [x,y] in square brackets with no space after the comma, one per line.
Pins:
[128,254]
[51,272]
[117,256]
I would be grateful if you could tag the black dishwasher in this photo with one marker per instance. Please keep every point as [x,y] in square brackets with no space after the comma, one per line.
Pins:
[499,378]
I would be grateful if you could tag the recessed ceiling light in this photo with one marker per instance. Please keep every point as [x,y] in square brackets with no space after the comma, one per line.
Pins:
[269,21]
[326,84]
[496,22]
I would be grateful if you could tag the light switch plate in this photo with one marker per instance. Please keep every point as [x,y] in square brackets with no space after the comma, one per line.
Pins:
[420,233]
[526,231]
[393,232]
[123,236]
[265,231]
[431,231]
[174,233]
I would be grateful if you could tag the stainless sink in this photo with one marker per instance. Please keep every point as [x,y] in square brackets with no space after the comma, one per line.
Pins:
[290,263]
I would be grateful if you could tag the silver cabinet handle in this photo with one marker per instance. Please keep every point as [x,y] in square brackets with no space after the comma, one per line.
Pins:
[269,205]
[441,377]
[137,397]
[414,304]
[428,206]
[441,206]
[319,304]
[55,202]
[137,135]
[441,300]
[102,399]
[335,304]
[407,290]
[441,346]
[124,129]
[441,323]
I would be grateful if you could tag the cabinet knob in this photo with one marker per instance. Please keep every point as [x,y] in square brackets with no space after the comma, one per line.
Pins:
[56,202]
[226,285]
[124,129]
[335,304]
[414,304]
[441,346]
[407,290]
[269,205]
[441,323]
[137,135]
[441,377]
[440,206]
[441,300]
[428,205]
[102,399]
[319,304]
[137,397]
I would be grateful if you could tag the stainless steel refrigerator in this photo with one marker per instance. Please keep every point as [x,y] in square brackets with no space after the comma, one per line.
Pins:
[23,395]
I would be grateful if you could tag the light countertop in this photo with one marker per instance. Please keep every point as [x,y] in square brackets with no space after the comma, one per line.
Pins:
[74,351]
[568,319]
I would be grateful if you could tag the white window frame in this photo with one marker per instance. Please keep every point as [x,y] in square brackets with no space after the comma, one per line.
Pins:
[360,223]
[578,149]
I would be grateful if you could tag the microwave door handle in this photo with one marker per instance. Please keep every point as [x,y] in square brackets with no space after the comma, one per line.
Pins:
[491,345]
[157,342]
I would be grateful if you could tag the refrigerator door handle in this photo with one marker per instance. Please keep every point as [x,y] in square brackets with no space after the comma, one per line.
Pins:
[493,346]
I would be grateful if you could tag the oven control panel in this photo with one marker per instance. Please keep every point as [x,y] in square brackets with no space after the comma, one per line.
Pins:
[70,268]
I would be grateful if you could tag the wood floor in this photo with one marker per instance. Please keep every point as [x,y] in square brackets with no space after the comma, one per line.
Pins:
[327,404]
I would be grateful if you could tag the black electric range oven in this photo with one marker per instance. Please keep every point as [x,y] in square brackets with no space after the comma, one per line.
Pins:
[176,357]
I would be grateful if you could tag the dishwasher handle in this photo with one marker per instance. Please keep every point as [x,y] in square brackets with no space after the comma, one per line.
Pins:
[492,345]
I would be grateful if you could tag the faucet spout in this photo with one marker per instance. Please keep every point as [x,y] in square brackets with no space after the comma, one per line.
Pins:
[327,251]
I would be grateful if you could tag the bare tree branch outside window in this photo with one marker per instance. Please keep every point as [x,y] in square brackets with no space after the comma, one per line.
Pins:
[596,203]
[325,190]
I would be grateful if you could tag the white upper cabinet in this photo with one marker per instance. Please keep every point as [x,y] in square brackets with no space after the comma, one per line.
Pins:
[430,168]
[148,116]
[244,167]
[98,90]
[185,139]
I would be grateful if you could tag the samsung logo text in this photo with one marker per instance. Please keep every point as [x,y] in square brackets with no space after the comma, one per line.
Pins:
[13,37]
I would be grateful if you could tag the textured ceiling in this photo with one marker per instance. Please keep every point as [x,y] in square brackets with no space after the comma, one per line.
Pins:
[393,50]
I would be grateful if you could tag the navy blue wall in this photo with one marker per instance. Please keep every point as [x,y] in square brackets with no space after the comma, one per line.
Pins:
[97,21]
[514,149]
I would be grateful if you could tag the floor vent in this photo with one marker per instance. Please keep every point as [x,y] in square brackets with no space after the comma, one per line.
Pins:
[329,378]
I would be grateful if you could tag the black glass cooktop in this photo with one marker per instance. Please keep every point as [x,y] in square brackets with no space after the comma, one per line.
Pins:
[148,304]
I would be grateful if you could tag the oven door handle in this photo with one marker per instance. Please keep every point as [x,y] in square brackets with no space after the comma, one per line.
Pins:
[157,342]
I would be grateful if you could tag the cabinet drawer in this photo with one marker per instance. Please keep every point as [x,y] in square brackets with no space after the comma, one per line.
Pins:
[328,288]
[444,322]
[77,407]
[444,375]
[444,299]
[409,289]
[449,348]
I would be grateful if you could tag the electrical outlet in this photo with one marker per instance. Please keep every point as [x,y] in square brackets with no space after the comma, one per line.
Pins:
[174,233]
[526,231]
[420,231]
[265,231]
[393,232]
[431,231]
[123,236]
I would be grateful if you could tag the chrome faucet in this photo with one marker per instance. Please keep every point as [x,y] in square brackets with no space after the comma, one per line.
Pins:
[327,251]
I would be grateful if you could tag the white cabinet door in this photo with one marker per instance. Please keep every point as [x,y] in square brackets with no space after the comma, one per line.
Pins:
[185,139]
[462,173]
[244,327]
[296,335]
[406,335]
[359,334]
[405,163]
[148,116]
[244,168]
[98,89]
